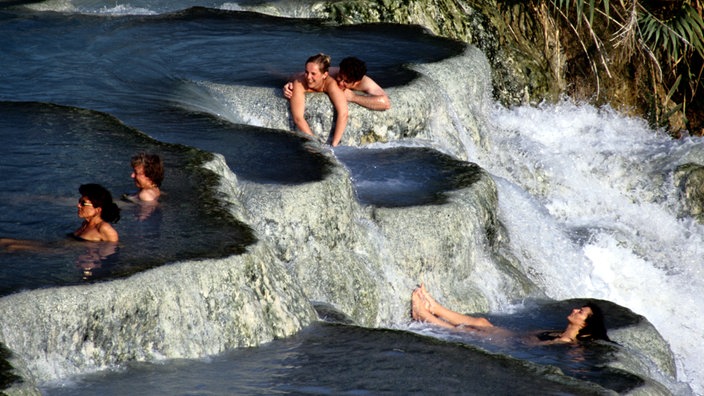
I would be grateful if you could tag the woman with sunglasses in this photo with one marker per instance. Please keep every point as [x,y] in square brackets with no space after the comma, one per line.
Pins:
[97,210]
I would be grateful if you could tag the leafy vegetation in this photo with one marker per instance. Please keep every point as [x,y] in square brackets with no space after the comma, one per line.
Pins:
[665,37]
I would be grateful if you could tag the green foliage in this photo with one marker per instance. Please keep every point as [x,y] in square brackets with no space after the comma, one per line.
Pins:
[668,34]
[674,37]
[580,6]
[661,114]
[670,38]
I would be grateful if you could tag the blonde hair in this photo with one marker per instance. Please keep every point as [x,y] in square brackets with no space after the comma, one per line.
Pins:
[322,60]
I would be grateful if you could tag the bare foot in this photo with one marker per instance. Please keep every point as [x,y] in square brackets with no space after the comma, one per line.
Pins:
[416,302]
[414,314]
[431,304]
[419,307]
[432,307]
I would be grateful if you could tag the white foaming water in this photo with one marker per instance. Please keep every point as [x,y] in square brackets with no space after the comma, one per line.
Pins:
[125,10]
[294,9]
[589,202]
[119,7]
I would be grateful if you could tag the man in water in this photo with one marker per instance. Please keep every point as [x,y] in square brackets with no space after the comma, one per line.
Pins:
[351,76]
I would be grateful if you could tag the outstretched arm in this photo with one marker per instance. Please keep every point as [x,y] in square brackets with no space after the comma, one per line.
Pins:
[373,97]
[338,100]
[298,107]
[19,245]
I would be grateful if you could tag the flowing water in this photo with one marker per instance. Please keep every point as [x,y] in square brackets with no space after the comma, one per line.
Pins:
[587,196]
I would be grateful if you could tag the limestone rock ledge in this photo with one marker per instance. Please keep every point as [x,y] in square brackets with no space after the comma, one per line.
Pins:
[415,107]
[362,262]
[183,310]
[365,260]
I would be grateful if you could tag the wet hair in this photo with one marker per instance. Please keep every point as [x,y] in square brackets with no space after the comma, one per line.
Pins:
[322,60]
[353,68]
[594,326]
[100,197]
[153,166]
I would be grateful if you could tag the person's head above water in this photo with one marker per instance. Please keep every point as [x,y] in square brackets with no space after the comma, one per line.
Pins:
[97,210]
[594,327]
[352,70]
[98,198]
[321,60]
[149,166]
[316,72]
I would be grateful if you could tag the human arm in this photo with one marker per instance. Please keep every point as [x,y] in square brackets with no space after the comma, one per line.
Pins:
[373,97]
[337,97]
[543,337]
[288,87]
[298,107]
[288,90]
[19,245]
[145,197]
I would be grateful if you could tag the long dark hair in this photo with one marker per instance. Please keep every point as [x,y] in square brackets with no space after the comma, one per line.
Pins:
[100,197]
[594,327]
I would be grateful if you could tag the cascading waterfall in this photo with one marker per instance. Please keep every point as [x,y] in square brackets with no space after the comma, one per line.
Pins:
[573,182]
[591,206]
[589,200]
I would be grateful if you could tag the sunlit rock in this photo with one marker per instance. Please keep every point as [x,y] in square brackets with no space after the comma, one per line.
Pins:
[184,310]
[417,110]
[690,180]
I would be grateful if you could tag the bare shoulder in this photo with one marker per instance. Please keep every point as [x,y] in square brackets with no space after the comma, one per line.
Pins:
[298,82]
[369,86]
[107,232]
[149,195]
[299,86]
[331,85]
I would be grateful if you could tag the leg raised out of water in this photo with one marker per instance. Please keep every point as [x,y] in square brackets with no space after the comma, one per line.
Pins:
[426,309]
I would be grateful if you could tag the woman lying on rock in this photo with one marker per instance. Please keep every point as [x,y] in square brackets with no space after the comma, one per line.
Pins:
[583,324]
